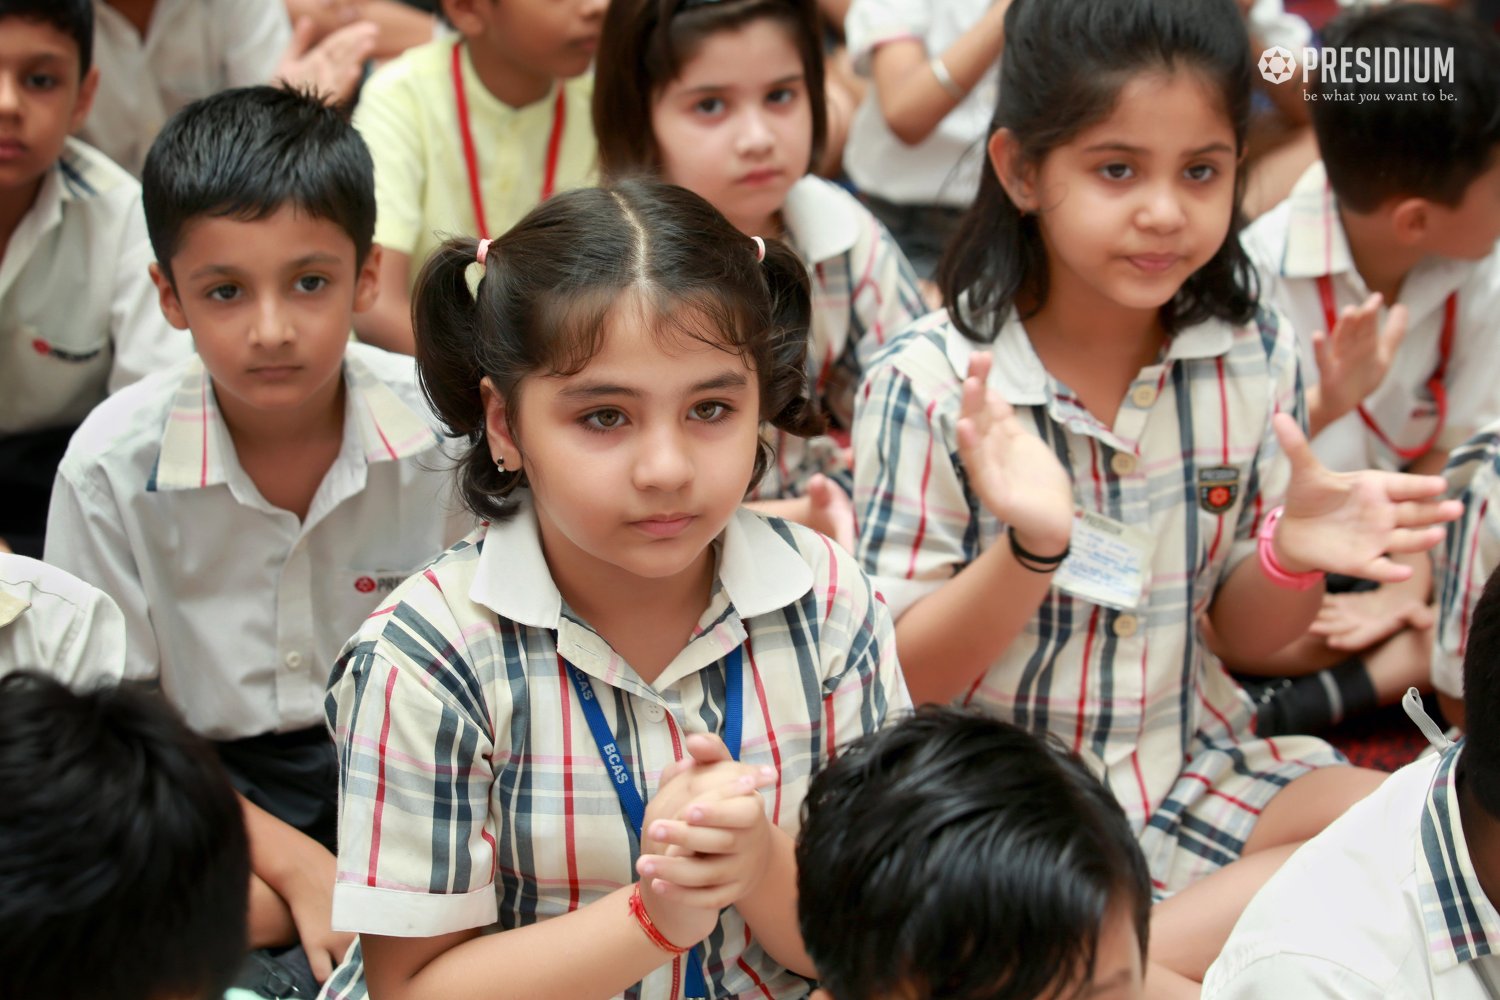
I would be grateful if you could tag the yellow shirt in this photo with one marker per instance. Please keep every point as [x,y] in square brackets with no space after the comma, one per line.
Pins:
[408,116]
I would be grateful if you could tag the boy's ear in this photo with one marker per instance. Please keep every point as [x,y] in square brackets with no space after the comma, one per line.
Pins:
[87,88]
[166,295]
[1018,179]
[497,426]
[465,15]
[367,281]
[1411,221]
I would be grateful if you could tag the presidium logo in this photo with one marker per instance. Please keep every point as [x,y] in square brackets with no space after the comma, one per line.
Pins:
[1362,64]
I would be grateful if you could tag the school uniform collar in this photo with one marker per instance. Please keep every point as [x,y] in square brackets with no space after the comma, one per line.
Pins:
[197,452]
[758,570]
[69,180]
[1460,922]
[1018,375]
[820,224]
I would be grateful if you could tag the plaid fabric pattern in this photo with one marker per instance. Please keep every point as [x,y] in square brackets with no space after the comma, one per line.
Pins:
[1136,688]
[864,292]
[1460,922]
[471,790]
[1469,553]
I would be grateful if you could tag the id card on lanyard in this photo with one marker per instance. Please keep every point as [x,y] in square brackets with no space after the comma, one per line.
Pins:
[471,155]
[1435,382]
[632,802]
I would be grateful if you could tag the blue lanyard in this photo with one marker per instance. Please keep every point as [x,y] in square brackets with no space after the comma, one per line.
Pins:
[625,787]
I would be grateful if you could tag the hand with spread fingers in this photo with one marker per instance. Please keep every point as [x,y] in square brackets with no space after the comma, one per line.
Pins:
[1354,357]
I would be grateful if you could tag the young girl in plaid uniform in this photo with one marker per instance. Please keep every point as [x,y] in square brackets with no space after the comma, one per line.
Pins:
[589,725]
[1104,388]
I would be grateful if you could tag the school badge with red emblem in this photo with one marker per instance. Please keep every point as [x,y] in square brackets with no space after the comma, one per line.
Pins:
[1218,487]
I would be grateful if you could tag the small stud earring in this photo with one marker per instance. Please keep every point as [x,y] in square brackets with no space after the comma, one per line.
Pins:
[500,464]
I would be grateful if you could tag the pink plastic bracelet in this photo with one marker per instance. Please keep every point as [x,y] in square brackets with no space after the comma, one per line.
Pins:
[1274,571]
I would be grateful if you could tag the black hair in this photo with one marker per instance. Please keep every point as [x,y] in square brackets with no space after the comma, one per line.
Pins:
[1376,148]
[644,46]
[952,856]
[124,866]
[1061,71]
[1479,767]
[246,153]
[72,17]
[550,286]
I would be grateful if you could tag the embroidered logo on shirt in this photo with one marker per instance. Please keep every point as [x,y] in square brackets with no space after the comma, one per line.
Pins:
[47,350]
[384,584]
[1218,487]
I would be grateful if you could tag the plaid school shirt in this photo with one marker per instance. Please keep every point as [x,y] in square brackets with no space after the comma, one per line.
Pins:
[472,792]
[864,292]
[1192,460]
[1469,553]
[1382,905]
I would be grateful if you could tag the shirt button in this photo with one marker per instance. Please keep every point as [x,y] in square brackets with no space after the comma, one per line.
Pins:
[293,660]
[653,712]
[1125,625]
[1123,463]
[1143,395]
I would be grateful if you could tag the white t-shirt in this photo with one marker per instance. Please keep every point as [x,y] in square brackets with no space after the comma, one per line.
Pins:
[191,49]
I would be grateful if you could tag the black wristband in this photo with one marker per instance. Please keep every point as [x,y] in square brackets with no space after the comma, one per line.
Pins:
[1032,561]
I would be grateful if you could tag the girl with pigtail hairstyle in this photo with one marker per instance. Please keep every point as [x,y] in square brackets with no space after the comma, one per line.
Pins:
[589,725]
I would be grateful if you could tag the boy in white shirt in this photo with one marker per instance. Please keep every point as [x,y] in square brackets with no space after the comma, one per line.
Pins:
[1395,900]
[248,507]
[1403,211]
[78,314]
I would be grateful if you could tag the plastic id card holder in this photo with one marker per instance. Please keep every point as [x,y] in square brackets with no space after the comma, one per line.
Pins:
[1106,562]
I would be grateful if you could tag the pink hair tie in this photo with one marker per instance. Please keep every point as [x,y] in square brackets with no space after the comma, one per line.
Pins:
[760,248]
[484,248]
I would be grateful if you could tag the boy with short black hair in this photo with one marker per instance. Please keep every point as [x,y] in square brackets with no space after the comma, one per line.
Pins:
[123,858]
[1402,211]
[78,315]
[247,508]
[1397,898]
[952,856]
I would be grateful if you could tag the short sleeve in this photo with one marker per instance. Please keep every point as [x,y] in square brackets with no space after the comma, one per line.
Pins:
[1469,554]
[917,521]
[871,23]
[390,122]
[416,836]
[1282,974]
[1271,471]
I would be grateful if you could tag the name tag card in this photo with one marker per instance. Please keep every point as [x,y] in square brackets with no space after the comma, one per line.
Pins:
[1106,562]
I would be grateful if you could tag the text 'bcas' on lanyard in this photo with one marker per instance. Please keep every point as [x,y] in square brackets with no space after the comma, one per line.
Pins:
[1435,382]
[471,156]
[632,801]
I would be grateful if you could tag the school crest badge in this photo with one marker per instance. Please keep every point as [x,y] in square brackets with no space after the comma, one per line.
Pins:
[1218,488]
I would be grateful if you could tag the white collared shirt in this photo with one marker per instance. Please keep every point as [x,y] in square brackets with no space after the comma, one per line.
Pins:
[471,791]
[944,168]
[53,622]
[78,312]
[236,605]
[191,49]
[1300,241]
[1384,904]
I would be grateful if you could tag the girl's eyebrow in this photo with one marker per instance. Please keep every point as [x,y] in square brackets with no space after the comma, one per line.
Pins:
[597,390]
[709,88]
[1125,147]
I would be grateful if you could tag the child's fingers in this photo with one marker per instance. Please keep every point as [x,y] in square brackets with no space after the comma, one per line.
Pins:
[1294,443]
[1395,329]
[1384,570]
[707,748]
[1420,513]
[690,839]
[1404,540]
[714,898]
[696,871]
[1400,486]
[738,813]
[980,363]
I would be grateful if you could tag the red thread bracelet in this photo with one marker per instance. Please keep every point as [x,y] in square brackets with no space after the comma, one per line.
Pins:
[638,910]
[1271,566]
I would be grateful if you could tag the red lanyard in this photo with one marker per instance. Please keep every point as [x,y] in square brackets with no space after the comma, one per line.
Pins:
[1435,386]
[471,158]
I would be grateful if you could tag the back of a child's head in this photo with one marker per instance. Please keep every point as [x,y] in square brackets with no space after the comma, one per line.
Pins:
[951,855]
[645,45]
[74,18]
[248,152]
[552,285]
[1377,144]
[1480,764]
[1064,66]
[124,867]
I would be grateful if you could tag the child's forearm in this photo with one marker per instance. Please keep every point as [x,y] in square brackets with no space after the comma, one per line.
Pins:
[912,100]
[593,953]
[950,637]
[1253,617]
[771,909]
